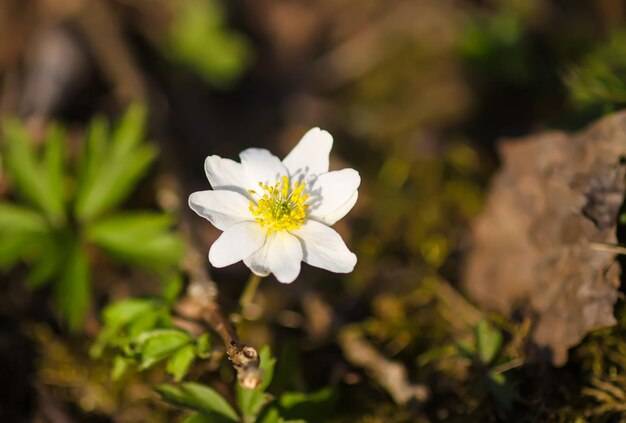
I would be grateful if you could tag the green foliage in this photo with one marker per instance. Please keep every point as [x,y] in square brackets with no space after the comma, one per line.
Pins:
[111,164]
[181,361]
[484,360]
[315,406]
[36,178]
[253,405]
[198,37]
[119,235]
[200,398]
[20,229]
[62,206]
[72,287]
[141,333]
[155,345]
[497,43]
[488,341]
[485,351]
[600,78]
[485,41]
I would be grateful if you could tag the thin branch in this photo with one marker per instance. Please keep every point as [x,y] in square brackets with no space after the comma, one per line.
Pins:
[609,248]
[391,375]
[50,409]
[201,304]
[201,300]
[104,33]
[509,365]
[454,307]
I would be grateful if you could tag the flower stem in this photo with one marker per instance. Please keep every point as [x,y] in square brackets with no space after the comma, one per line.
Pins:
[249,291]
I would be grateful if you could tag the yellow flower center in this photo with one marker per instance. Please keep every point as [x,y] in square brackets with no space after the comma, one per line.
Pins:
[281,206]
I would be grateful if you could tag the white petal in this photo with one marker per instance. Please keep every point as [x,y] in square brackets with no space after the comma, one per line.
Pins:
[332,193]
[226,174]
[258,261]
[323,247]
[332,218]
[285,255]
[310,155]
[222,208]
[261,166]
[281,254]
[237,243]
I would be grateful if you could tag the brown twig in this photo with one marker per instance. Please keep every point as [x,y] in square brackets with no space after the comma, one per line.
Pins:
[201,304]
[609,248]
[103,32]
[50,409]
[200,301]
[391,375]
[458,311]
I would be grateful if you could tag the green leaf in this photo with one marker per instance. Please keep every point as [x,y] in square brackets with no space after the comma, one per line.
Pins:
[172,285]
[314,406]
[271,415]
[199,39]
[97,140]
[125,311]
[198,418]
[598,80]
[138,238]
[436,353]
[120,367]
[92,154]
[73,287]
[108,179]
[148,336]
[198,397]
[134,316]
[181,361]
[53,255]
[14,247]
[466,348]
[207,418]
[209,400]
[130,131]
[144,322]
[21,232]
[126,321]
[15,218]
[23,166]
[251,401]
[488,341]
[54,164]
[114,182]
[158,344]
[203,346]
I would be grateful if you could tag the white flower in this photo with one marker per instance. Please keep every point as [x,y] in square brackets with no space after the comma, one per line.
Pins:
[274,213]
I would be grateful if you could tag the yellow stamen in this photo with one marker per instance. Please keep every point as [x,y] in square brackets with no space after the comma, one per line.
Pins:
[280,207]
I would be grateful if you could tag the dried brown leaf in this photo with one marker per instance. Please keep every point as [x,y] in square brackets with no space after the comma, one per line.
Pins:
[555,196]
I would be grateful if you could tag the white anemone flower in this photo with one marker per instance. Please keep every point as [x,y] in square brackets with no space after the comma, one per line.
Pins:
[275,214]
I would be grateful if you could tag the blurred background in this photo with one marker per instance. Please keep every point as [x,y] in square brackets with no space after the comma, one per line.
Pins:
[110,106]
